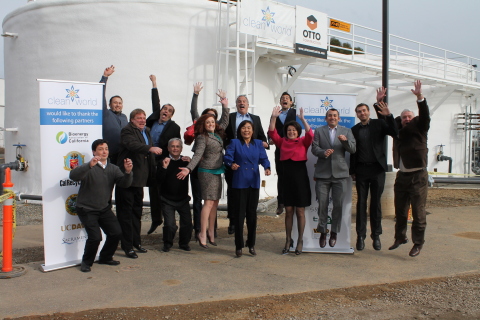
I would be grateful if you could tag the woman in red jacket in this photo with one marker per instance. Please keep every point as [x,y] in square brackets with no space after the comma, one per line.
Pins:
[296,191]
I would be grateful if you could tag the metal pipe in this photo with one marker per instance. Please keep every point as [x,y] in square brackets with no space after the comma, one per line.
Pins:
[12,165]
[445,158]
[456,180]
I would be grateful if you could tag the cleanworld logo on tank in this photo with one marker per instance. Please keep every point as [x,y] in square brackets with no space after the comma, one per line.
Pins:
[267,22]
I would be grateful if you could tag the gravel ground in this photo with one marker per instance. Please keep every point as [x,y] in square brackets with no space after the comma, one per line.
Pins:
[439,298]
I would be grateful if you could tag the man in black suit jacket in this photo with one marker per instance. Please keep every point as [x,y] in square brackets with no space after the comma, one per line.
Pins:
[162,129]
[235,118]
[135,144]
[368,166]
[411,184]
[288,114]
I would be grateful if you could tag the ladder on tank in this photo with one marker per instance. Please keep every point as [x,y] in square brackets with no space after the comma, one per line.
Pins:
[236,58]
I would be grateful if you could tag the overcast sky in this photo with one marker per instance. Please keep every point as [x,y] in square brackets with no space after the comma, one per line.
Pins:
[447,24]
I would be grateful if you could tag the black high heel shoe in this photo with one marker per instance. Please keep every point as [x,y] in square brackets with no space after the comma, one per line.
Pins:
[299,248]
[287,247]
[200,242]
[213,243]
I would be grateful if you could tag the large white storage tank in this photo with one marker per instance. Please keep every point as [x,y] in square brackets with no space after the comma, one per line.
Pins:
[76,40]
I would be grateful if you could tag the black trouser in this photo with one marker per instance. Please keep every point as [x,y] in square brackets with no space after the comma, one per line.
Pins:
[169,225]
[279,169]
[93,221]
[246,202]
[155,205]
[369,177]
[411,188]
[129,213]
[197,198]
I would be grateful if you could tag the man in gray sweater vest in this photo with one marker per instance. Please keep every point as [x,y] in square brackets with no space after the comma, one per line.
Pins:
[94,206]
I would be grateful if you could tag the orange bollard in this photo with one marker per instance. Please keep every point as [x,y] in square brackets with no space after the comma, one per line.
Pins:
[7,226]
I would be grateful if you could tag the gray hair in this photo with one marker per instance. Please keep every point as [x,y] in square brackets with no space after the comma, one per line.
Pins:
[407,110]
[175,139]
[242,95]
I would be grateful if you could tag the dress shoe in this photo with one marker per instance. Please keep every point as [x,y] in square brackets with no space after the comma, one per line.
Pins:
[323,240]
[360,243]
[231,229]
[213,243]
[109,262]
[333,239]
[299,248]
[153,227]
[280,209]
[131,254]
[288,245]
[238,253]
[377,245]
[415,250]
[185,247]
[252,251]
[85,267]
[397,243]
[140,249]
[166,248]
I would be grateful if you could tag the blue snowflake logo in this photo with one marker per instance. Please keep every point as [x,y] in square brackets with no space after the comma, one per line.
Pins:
[72,93]
[268,16]
[327,104]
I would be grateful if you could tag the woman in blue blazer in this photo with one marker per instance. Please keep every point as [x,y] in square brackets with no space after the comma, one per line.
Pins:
[244,155]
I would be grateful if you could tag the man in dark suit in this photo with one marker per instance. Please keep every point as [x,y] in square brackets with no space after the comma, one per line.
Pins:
[235,119]
[368,166]
[162,129]
[135,144]
[411,185]
[288,114]
[330,143]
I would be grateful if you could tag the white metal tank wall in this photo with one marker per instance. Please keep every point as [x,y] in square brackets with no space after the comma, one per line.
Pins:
[76,40]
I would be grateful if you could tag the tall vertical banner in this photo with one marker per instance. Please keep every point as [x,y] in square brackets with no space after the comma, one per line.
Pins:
[273,21]
[311,36]
[70,120]
[315,107]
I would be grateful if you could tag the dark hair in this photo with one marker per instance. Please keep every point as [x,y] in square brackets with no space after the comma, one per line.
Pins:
[286,94]
[110,102]
[200,126]
[135,112]
[168,104]
[332,109]
[240,126]
[98,142]
[211,109]
[294,124]
[361,105]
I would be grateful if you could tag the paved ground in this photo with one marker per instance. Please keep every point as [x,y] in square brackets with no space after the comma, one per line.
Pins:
[179,277]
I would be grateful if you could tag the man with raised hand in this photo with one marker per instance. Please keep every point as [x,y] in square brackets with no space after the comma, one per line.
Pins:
[368,166]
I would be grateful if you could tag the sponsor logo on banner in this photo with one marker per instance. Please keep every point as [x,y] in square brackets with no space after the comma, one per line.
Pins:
[71,204]
[68,183]
[340,25]
[70,227]
[268,20]
[62,137]
[72,160]
[311,36]
[72,240]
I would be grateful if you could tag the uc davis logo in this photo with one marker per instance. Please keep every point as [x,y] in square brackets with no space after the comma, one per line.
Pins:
[268,16]
[72,93]
[62,137]
[327,104]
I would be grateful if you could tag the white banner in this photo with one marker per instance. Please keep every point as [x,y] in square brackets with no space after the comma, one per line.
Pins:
[315,106]
[311,37]
[273,21]
[70,120]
